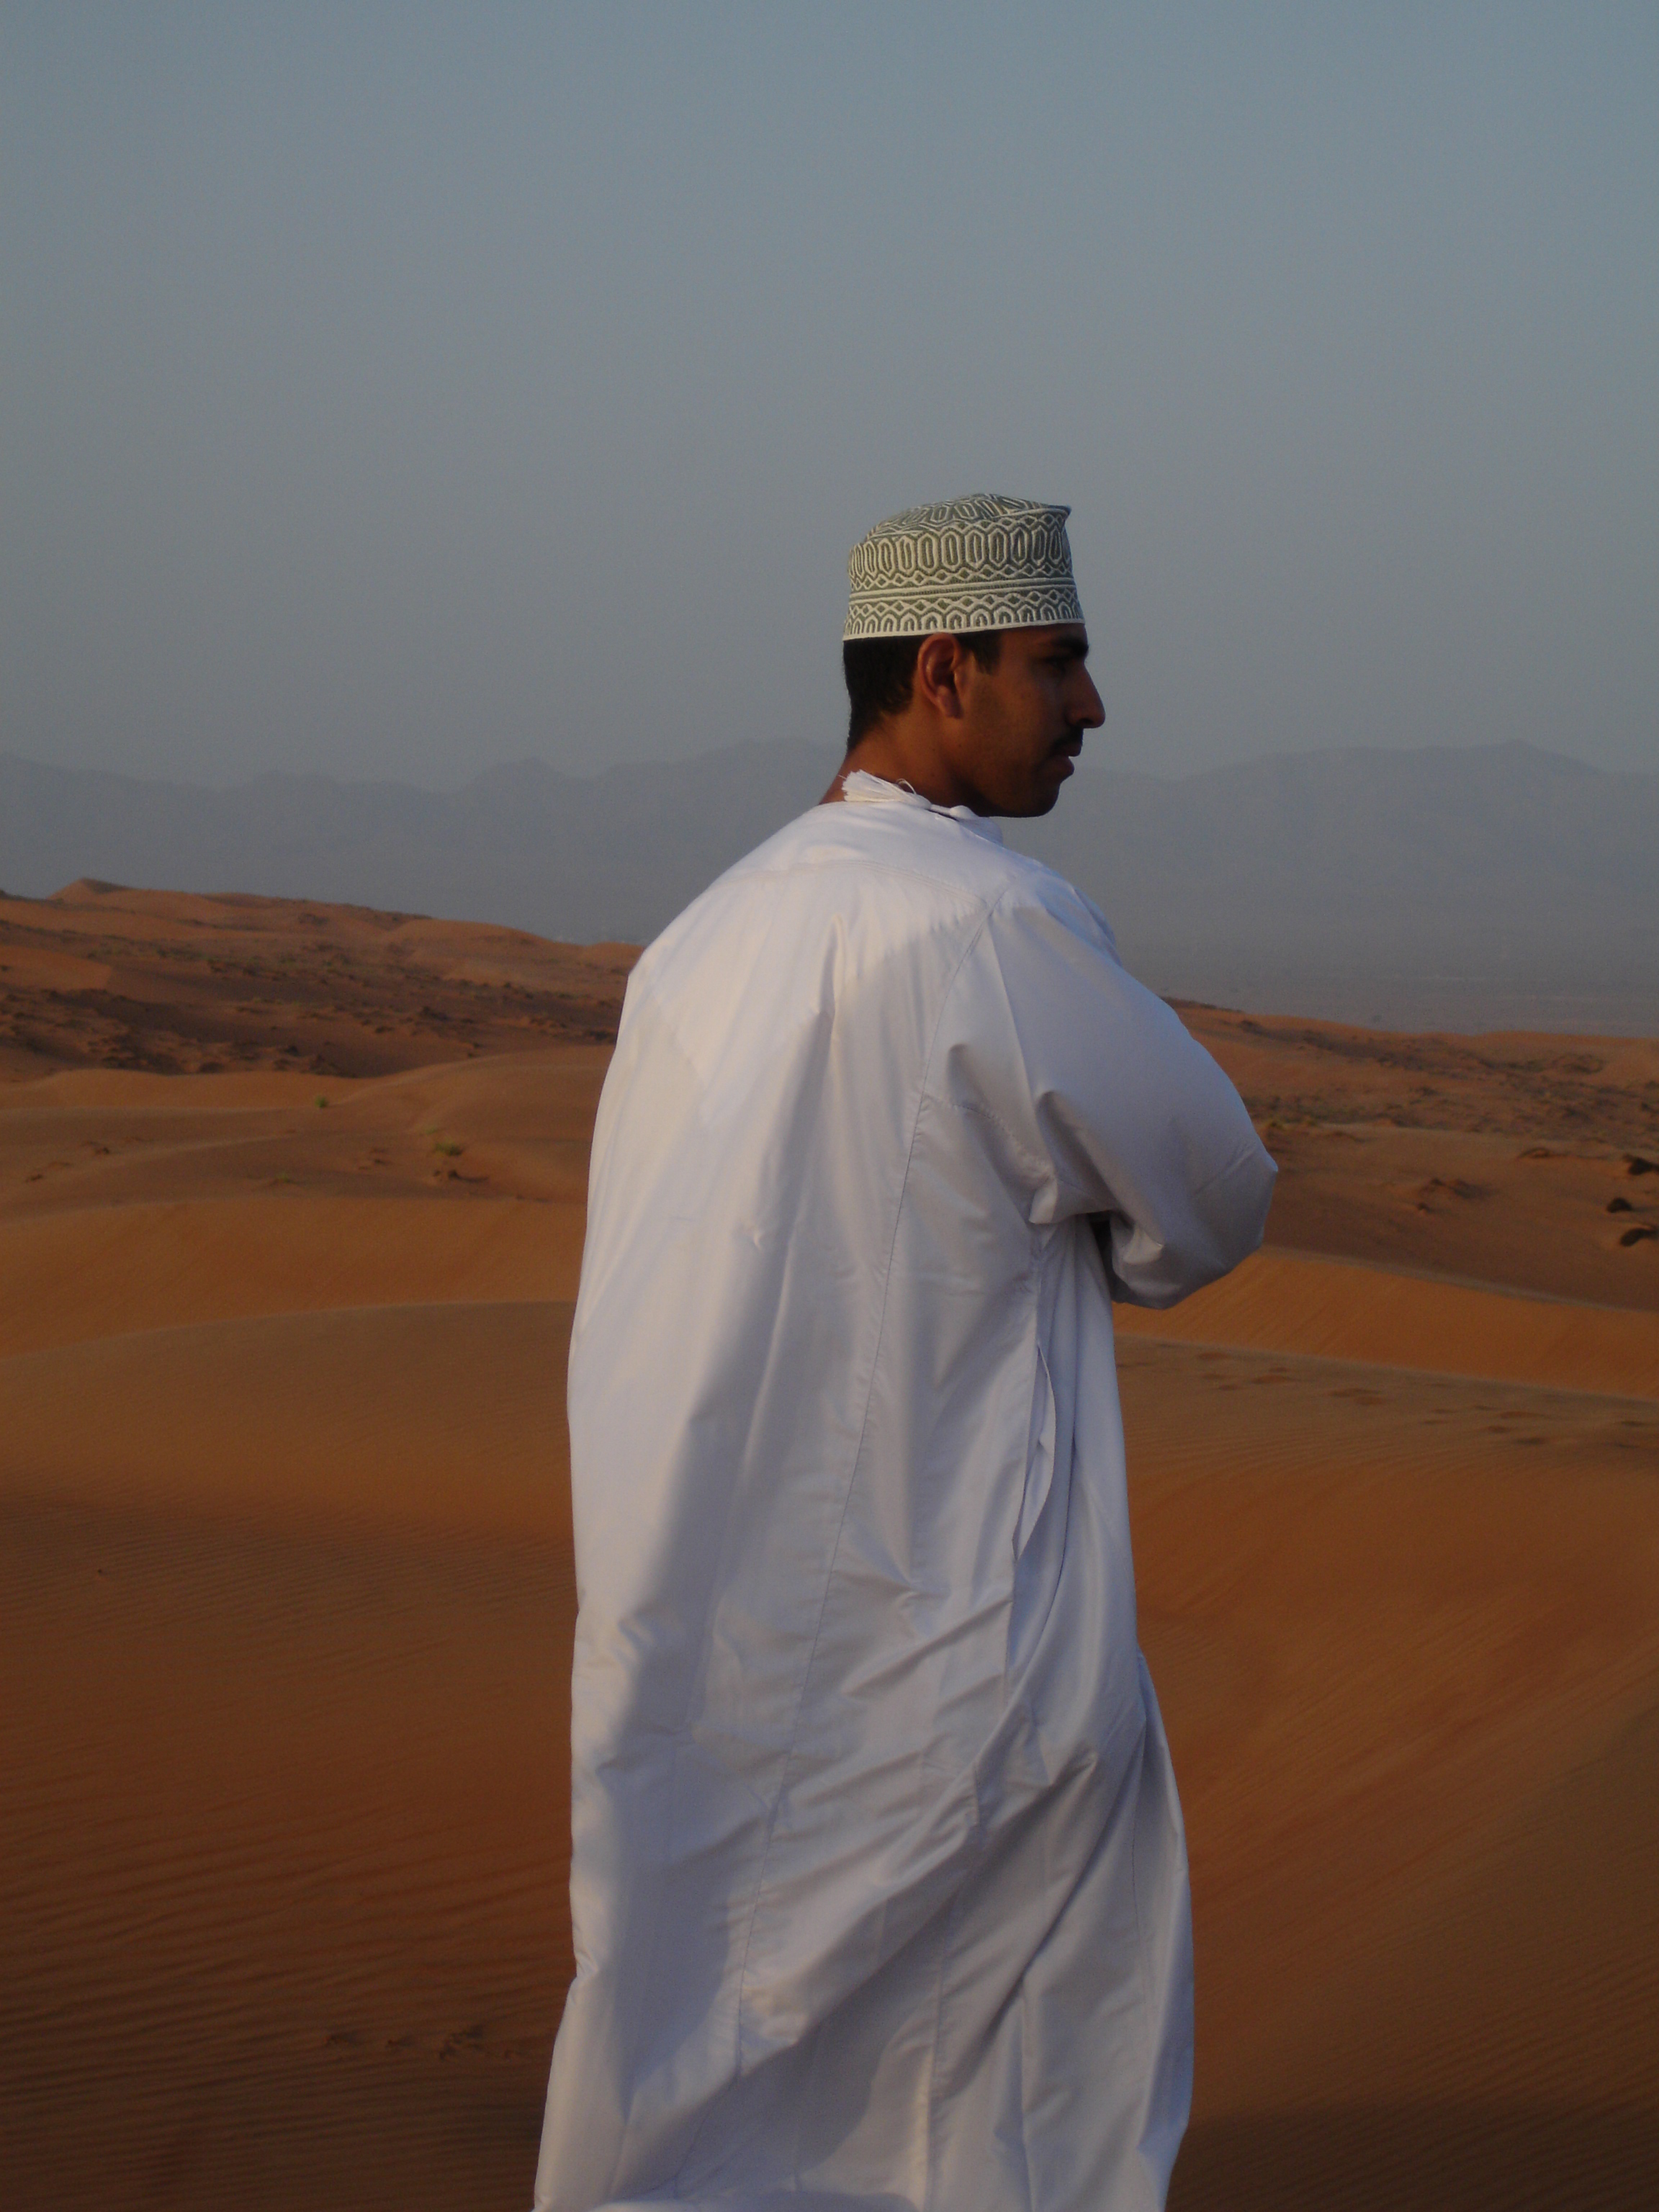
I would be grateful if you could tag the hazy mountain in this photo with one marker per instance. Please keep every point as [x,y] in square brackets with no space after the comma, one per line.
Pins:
[1495,886]
[1492,886]
[613,855]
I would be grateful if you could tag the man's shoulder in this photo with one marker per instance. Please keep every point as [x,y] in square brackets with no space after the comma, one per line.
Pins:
[916,843]
[891,874]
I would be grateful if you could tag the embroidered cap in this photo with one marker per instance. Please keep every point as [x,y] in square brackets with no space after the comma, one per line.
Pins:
[984,562]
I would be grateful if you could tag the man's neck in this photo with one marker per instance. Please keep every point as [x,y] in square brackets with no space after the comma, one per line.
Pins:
[899,755]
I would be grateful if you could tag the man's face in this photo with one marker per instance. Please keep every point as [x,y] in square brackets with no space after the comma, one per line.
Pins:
[1023,721]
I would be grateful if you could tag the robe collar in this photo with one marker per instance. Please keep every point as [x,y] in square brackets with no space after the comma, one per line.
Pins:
[863,789]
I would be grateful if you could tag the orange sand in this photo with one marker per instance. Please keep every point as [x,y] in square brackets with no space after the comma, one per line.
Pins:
[1335,1310]
[286,1593]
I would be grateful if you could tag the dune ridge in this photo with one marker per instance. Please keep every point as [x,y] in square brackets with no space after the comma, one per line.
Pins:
[1334,1309]
[106,1271]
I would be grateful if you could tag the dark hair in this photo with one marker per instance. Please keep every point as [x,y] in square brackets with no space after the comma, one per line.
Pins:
[880,671]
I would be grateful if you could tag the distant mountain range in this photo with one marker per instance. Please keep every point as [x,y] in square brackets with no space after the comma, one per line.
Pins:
[1489,887]
[1480,888]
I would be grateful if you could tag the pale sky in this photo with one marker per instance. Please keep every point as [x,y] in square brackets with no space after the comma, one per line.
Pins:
[392,390]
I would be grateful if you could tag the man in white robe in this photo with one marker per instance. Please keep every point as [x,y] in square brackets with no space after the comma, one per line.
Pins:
[878,1885]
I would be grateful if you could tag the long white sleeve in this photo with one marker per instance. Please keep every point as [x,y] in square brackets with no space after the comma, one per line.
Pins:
[1108,1104]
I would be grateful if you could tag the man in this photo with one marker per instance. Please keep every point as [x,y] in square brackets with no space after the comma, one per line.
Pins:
[879,1882]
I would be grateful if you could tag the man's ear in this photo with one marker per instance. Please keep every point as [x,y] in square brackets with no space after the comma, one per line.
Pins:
[938,680]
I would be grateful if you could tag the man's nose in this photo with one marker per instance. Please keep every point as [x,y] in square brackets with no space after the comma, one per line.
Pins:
[1090,712]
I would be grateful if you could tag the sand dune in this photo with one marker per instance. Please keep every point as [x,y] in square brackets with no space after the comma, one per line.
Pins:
[1404,1632]
[108,1270]
[435,1417]
[99,976]
[1359,1714]
[286,1591]
[285,1833]
[287,1605]
[1523,1160]
[1284,1302]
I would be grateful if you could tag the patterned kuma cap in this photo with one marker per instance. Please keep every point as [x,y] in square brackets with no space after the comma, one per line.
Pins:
[982,563]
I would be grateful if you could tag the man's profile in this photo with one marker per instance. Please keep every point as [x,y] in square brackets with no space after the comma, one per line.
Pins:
[879,1883]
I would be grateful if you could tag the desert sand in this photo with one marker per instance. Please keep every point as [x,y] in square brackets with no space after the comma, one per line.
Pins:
[291,1223]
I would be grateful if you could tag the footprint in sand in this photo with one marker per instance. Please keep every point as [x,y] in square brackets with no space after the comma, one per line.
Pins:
[1436,1188]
